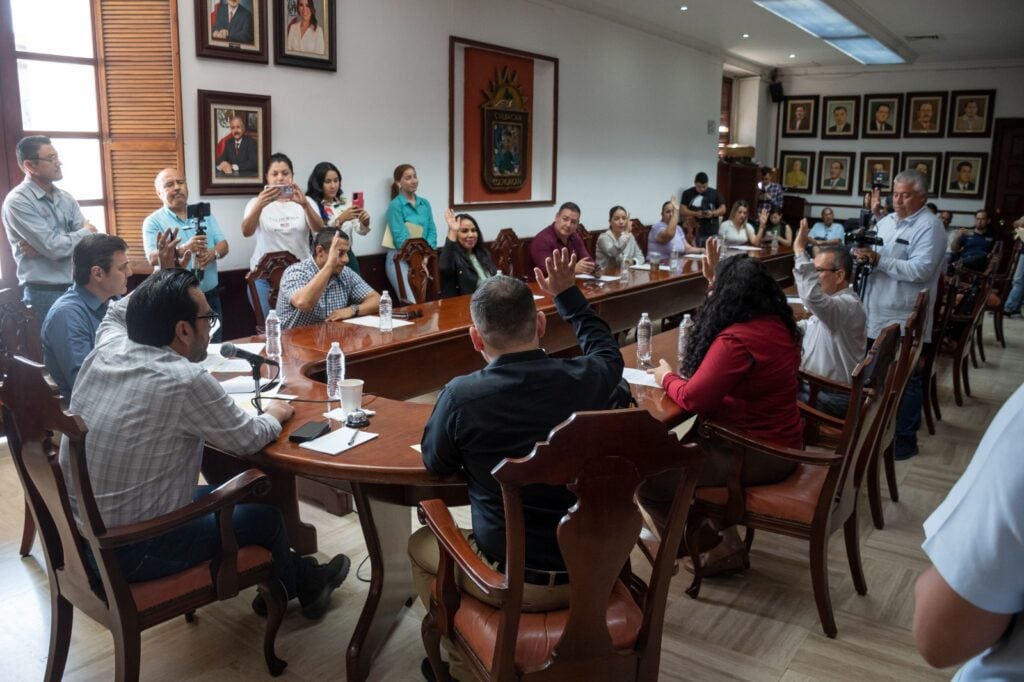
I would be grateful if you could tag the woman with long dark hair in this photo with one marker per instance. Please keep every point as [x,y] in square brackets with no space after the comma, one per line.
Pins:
[323,191]
[465,261]
[617,242]
[305,33]
[409,215]
[740,367]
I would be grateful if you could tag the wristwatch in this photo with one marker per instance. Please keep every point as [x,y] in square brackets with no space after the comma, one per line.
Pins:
[355,310]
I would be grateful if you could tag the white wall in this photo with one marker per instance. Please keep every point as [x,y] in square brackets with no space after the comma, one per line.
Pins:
[752,112]
[1005,79]
[633,108]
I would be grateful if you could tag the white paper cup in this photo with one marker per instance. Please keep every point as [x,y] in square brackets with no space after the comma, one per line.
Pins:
[351,395]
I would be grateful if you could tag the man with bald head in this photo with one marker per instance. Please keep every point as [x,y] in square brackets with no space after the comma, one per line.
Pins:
[238,159]
[207,249]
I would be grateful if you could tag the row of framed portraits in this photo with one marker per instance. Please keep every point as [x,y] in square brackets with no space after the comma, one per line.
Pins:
[305,31]
[960,113]
[954,175]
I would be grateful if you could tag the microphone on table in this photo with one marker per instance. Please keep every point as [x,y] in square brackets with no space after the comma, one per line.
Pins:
[230,350]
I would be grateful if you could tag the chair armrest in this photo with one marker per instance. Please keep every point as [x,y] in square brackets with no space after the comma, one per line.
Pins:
[753,444]
[251,481]
[820,417]
[823,382]
[439,519]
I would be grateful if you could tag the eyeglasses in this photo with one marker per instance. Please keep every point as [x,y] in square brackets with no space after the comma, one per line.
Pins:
[826,269]
[214,319]
[52,158]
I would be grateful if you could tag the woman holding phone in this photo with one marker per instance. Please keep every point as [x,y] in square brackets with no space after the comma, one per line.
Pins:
[280,218]
[409,215]
[323,191]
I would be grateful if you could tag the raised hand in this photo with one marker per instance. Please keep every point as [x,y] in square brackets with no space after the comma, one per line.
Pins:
[561,267]
[167,248]
[800,242]
[453,224]
[712,254]
[763,216]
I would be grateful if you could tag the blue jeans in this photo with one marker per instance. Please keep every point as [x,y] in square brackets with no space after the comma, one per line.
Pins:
[196,542]
[391,272]
[1013,301]
[41,299]
[834,404]
[263,293]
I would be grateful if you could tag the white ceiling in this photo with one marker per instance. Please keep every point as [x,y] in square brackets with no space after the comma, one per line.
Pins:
[967,30]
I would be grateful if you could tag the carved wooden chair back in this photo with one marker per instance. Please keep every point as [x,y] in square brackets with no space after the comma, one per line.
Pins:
[423,271]
[506,252]
[271,267]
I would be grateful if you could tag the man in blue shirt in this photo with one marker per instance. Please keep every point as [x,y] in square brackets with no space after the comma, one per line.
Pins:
[172,188]
[101,271]
[973,249]
[827,231]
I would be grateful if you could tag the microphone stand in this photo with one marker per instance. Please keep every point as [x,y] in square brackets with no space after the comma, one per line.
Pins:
[257,400]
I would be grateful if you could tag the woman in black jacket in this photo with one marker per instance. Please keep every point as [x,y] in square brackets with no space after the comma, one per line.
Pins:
[465,261]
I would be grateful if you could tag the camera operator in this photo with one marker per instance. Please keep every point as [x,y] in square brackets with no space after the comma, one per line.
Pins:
[910,259]
[207,249]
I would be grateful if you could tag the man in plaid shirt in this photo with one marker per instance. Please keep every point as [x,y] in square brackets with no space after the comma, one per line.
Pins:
[769,198]
[320,288]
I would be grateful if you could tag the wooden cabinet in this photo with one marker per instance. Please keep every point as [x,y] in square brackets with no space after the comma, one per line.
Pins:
[738,181]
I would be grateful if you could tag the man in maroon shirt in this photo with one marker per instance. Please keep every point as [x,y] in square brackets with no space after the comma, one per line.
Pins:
[559,234]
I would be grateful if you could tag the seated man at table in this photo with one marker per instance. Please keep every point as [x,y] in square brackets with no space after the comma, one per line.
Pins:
[827,231]
[835,336]
[320,288]
[973,249]
[150,408]
[562,234]
[502,411]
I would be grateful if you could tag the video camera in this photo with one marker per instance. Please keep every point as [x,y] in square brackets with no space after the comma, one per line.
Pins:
[862,238]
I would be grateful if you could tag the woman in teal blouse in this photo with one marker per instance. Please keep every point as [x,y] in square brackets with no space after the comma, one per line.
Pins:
[409,215]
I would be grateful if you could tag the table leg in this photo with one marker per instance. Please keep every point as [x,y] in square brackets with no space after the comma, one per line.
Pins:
[386,529]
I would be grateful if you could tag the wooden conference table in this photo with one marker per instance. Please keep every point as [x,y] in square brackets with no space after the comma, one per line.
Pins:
[386,475]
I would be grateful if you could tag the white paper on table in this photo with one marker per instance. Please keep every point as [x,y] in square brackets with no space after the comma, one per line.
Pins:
[215,362]
[536,297]
[694,256]
[338,414]
[642,266]
[639,377]
[603,278]
[794,300]
[744,247]
[416,447]
[374,321]
[336,442]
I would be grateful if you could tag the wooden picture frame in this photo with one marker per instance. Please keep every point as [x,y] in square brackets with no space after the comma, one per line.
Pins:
[872,161]
[971,113]
[954,172]
[232,163]
[839,117]
[797,171]
[843,163]
[236,32]
[930,163]
[317,48]
[883,116]
[800,116]
[502,126]
[925,114]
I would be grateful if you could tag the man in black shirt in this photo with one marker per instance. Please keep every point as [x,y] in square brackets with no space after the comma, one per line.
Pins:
[503,410]
[704,204]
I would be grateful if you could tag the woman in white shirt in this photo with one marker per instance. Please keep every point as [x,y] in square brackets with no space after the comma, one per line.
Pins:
[618,242]
[323,191]
[280,218]
[305,35]
[736,230]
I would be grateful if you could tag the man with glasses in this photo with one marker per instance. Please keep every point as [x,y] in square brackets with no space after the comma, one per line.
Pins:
[101,270]
[43,223]
[206,249]
[151,408]
[836,333]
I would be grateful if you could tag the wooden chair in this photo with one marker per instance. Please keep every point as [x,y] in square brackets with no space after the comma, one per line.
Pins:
[993,268]
[271,267]
[19,335]
[507,254]
[1001,289]
[929,351]
[609,631]
[640,233]
[821,493]
[958,328]
[423,275]
[33,414]
[589,238]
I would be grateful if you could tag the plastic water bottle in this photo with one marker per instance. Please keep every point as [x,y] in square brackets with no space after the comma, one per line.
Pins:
[273,331]
[623,270]
[775,243]
[643,340]
[673,262]
[335,371]
[685,331]
[384,312]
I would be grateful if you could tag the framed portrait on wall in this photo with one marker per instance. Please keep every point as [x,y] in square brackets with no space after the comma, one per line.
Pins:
[232,29]
[971,112]
[964,175]
[835,172]
[926,112]
[305,34]
[877,162]
[882,116]
[839,117]
[800,116]
[797,170]
[929,163]
[234,142]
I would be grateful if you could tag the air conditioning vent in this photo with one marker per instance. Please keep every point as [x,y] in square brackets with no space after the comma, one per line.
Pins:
[911,39]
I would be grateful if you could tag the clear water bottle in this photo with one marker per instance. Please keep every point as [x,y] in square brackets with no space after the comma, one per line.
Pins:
[273,331]
[624,270]
[673,262]
[384,312]
[643,340]
[775,243]
[685,331]
[335,371]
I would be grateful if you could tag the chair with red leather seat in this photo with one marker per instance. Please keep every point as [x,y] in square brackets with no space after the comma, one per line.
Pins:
[612,627]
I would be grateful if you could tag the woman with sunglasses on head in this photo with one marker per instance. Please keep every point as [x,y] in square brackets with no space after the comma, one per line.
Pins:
[409,215]
[465,262]
[323,190]
[280,218]
[618,242]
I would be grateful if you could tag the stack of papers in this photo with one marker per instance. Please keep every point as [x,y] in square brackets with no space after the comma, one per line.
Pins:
[639,377]
[214,362]
[374,322]
[602,278]
[744,247]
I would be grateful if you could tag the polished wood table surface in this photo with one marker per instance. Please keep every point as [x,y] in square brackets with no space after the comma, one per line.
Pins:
[386,475]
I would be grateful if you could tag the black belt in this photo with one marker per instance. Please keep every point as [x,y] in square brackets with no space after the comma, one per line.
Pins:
[542,578]
[48,287]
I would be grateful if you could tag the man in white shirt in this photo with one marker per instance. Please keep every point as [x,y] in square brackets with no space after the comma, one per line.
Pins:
[835,336]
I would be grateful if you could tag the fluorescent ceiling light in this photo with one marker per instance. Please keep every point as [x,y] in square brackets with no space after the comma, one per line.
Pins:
[821,21]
